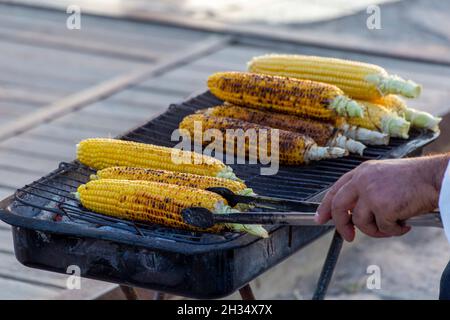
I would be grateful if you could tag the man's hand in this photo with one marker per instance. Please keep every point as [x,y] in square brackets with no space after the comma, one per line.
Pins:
[378,196]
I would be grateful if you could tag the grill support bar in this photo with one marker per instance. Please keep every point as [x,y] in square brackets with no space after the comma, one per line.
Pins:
[159,296]
[246,292]
[130,293]
[328,267]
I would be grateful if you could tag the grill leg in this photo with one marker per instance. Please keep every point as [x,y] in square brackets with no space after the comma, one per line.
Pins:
[328,267]
[129,292]
[246,293]
[159,296]
[444,291]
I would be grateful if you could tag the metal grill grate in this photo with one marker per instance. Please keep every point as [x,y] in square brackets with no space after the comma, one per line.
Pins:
[290,182]
[55,194]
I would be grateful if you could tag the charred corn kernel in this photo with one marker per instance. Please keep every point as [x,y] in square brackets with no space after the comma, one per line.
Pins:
[419,119]
[103,153]
[178,178]
[324,134]
[154,202]
[287,95]
[315,129]
[320,132]
[380,118]
[293,148]
[357,79]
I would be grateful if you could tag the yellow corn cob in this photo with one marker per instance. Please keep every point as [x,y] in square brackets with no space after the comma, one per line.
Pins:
[320,132]
[154,202]
[293,148]
[324,134]
[378,117]
[419,119]
[178,178]
[393,103]
[357,79]
[281,94]
[103,153]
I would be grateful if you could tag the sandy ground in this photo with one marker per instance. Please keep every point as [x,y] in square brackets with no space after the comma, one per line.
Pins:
[410,268]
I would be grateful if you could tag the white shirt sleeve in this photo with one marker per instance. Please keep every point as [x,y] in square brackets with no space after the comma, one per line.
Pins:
[444,202]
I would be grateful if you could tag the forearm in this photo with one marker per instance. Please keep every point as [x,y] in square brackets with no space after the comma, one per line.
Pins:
[438,165]
[430,170]
[443,185]
[422,177]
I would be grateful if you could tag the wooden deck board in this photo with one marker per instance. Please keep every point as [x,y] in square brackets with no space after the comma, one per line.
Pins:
[60,132]
[144,98]
[20,94]
[10,266]
[71,61]
[183,80]
[47,148]
[84,119]
[19,161]
[44,72]
[13,108]
[5,242]
[111,86]
[7,239]
[94,47]
[125,31]
[6,118]
[5,192]
[16,179]
[120,110]
[39,83]
[19,290]
[39,148]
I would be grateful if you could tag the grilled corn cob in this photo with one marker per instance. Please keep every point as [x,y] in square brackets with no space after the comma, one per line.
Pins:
[286,95]
[419,119]
[297,124]
[323,134]
[293,148]
[380,118]
[155,202]
[393,103]
[178,178]
[103,153]
[357,79]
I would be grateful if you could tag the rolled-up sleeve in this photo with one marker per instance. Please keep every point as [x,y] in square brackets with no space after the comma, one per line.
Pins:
[444,202]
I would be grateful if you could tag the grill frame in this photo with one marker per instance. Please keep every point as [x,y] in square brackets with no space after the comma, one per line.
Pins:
[135,260]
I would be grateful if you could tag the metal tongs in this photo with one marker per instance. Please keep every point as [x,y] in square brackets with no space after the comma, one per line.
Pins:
[286,212]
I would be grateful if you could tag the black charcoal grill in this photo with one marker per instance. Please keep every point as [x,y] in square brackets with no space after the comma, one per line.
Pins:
[168,260]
